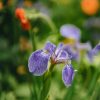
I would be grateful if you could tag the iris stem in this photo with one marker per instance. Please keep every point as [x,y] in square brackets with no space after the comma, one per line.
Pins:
[33,90]
[46,84]
[93,82]
[32,36]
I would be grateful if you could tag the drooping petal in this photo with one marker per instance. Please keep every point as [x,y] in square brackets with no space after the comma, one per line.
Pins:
[50,47]
[38,62]
[70,31]
[68,75]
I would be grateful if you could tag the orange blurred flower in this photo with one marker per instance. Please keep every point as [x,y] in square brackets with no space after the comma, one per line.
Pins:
[20,14]
[90,7]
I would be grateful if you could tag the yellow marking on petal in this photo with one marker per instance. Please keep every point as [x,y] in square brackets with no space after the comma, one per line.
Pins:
[69,41]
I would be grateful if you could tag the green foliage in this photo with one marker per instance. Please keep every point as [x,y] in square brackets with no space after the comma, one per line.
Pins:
[17,83]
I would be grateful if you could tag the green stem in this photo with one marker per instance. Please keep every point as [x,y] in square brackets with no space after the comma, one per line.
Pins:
[46,84]
[32,36]
[71,90]
[33,90]
[33,93]
[93,82]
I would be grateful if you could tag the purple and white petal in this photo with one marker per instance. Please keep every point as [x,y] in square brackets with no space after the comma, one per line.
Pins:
[83,46]
[38,62]
[70,31]
[93,52]
[59,48]
[50,47]
[68,49]
[68,75]
[90,56]
[96,49]
[62,57]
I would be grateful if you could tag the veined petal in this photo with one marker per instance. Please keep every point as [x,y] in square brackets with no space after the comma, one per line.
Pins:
[50,47]
[62,57]
[59,48]
[68,75]
[38,62]
[70,31]
[72,54]
[93,52]
[96,49]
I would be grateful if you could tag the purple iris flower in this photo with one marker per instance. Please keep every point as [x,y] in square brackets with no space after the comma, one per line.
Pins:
[93,52]
[38,61]
[70,31]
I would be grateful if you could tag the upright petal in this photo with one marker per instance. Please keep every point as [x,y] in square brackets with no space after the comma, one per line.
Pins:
[71,53]
[62,57]
[96,49]
[68,75]
[70,31]
[38,62]
[59,48]
[93,52]
[90,55]
[50,47]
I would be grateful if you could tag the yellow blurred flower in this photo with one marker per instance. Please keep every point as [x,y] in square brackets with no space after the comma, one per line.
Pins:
[21,70]
[35,29]
[1,5]
[24,44]
[10,2]
[27,3]
[90,7]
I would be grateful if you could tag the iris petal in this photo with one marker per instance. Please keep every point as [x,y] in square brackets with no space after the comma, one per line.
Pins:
[93,52]
[70,31]
[38,62]
[59,48]
[62,57]
[68,75]
[83,46]
[72,54]
[90,56]
[50,47]
[96,49]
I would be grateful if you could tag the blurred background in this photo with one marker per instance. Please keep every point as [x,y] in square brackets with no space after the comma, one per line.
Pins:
[16,46]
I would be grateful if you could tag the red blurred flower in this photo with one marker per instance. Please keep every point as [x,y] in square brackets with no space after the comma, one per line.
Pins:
[90,7]
[20,14]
